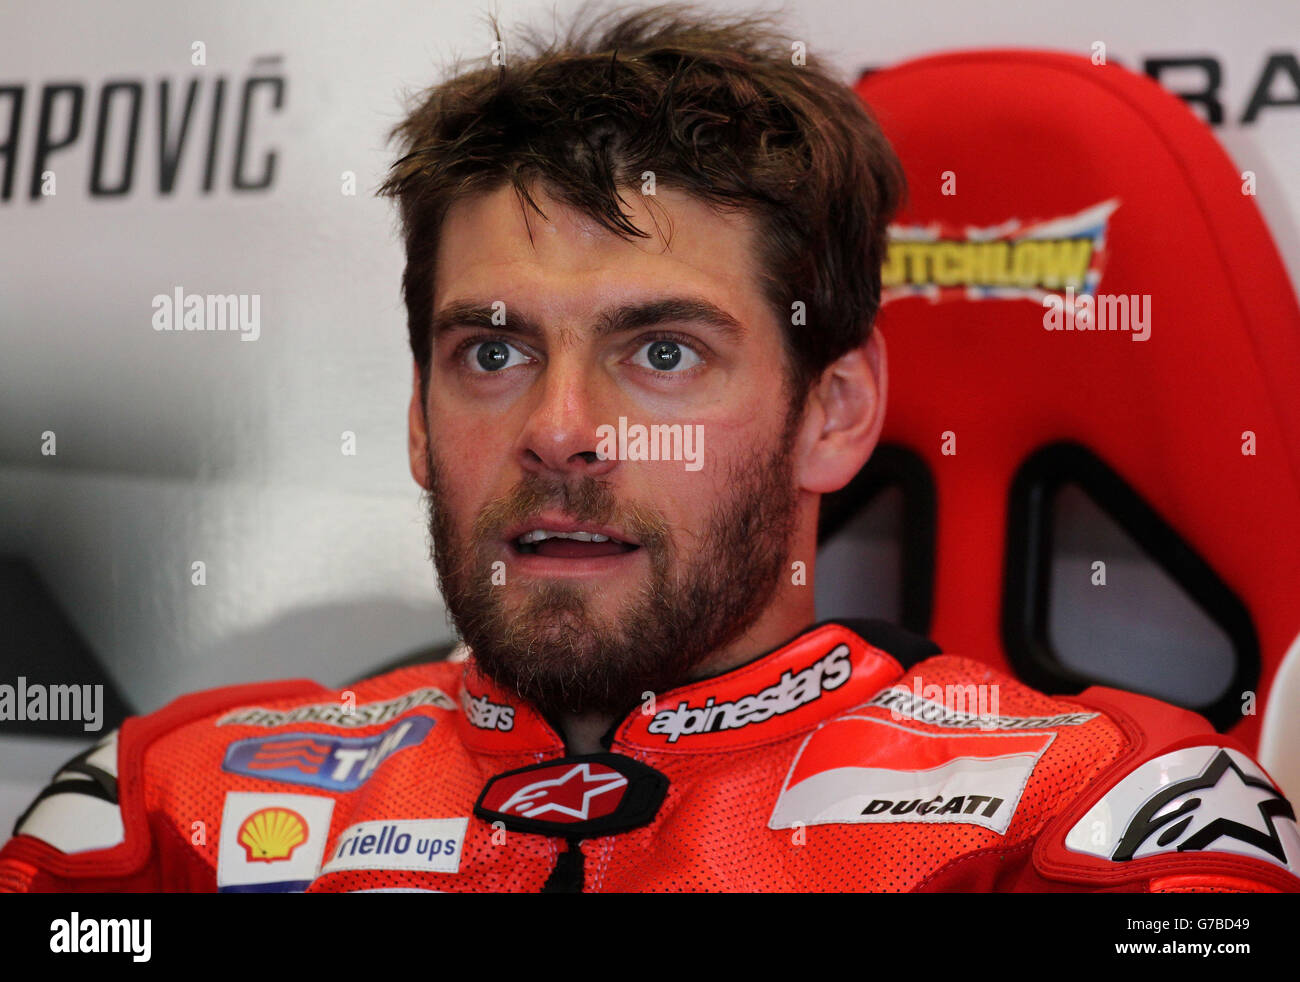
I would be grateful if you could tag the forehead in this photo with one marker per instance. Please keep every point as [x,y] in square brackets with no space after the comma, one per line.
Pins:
[570,260]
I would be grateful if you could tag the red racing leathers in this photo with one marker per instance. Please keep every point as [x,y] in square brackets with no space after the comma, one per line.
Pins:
[847,759]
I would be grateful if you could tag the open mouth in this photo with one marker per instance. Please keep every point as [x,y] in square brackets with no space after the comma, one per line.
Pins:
[569,545]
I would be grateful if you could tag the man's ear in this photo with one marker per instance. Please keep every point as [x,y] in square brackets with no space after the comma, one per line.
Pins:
[417,434]
[844,417]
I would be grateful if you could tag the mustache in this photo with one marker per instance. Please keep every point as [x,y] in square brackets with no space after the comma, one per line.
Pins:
[586,500]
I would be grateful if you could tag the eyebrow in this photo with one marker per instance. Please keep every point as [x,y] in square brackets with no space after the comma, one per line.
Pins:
[615,320]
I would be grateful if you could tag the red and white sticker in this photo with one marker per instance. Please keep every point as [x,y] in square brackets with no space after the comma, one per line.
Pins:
[857,769]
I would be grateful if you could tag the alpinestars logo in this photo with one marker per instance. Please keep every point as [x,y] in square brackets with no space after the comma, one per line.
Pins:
[1227,804]
[568,797]
[792,691]
[575,797]
[1196,799]
[485,714]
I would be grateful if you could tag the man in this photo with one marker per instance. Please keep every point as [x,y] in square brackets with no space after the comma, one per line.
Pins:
[642,272]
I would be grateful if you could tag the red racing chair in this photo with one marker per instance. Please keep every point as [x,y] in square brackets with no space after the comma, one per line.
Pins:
[1032,174]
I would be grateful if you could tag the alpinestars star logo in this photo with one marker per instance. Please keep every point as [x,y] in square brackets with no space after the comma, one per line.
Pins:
[568,796]
[1204,798]
[576,797]
[1221,802]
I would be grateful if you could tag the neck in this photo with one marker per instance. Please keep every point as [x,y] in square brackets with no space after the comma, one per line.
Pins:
[790,611]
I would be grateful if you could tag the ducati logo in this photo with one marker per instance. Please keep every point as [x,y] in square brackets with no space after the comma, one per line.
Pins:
[577,797]
[1221,803]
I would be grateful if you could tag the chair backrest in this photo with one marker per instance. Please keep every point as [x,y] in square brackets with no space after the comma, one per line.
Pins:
[1036,173]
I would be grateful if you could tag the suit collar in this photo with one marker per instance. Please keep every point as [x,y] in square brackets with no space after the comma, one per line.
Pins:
[824,670]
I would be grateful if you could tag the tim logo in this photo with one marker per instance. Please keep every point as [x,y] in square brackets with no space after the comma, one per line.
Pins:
[320,760]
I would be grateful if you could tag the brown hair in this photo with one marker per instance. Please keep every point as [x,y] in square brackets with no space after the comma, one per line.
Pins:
[714,105]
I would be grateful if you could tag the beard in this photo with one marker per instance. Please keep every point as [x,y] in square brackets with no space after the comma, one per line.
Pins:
[553,650]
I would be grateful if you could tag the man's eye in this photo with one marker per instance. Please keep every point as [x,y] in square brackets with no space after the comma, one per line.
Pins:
[664,355]
[492,356]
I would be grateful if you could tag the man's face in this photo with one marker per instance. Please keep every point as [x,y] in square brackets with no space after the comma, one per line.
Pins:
[589,330]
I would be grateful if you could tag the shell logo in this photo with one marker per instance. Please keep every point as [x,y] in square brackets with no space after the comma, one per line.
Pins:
[272,834]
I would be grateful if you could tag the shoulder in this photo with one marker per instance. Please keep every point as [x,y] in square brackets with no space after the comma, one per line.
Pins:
[81,810]
[1184,808]
[954,741]
[1120,791]
[93,819]
[1105,789]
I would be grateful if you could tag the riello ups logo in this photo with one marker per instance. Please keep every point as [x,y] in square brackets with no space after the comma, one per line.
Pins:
[1016,260]
[208,132]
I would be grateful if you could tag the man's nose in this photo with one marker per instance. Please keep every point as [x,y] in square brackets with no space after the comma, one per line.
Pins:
[560,435]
